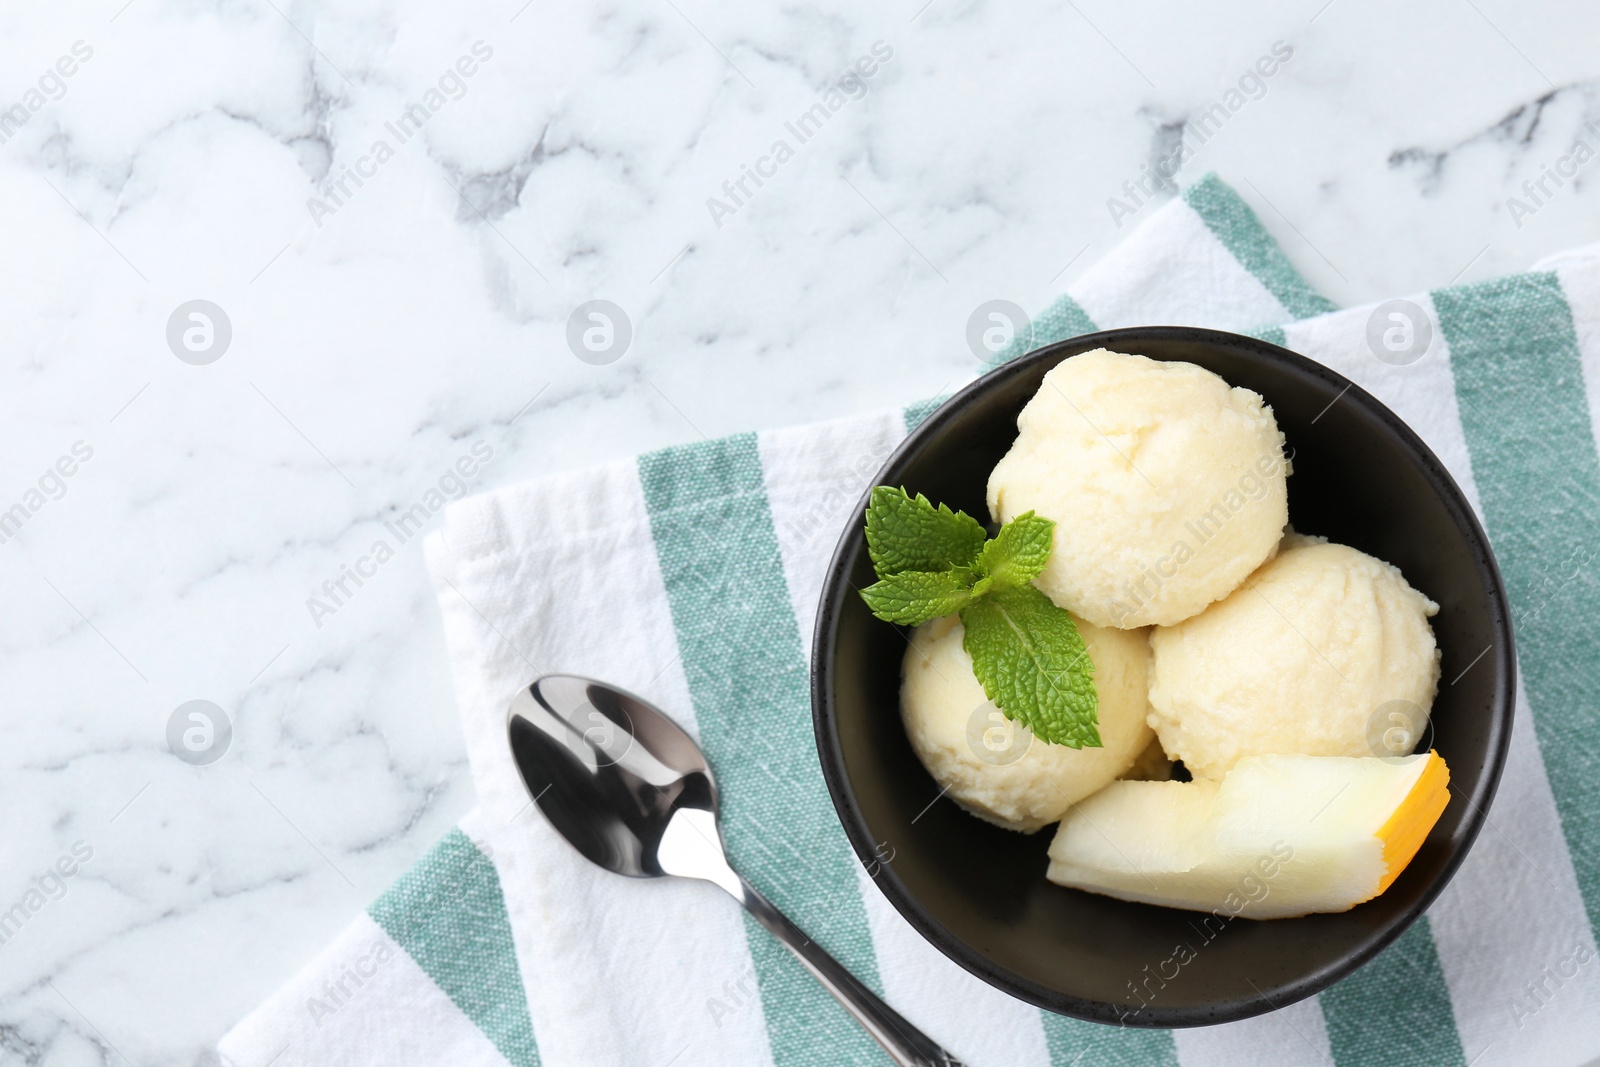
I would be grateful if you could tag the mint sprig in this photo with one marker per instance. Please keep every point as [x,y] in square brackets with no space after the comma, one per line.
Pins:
[906,533]
[1032,663]
[1026,652]
[913,597]
[1018,552]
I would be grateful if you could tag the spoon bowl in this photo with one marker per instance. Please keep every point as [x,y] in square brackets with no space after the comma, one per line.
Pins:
[608,770]
[632,792]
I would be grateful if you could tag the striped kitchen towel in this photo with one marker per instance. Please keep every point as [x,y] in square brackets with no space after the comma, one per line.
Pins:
[691,576]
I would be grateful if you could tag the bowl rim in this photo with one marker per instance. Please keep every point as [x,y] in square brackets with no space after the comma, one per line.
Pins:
[862,841]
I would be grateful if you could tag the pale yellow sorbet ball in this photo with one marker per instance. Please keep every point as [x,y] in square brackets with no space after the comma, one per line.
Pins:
[996,768]
[1166,486]
[1319,653]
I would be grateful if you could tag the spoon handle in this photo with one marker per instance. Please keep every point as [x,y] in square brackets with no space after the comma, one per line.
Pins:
[908,1046]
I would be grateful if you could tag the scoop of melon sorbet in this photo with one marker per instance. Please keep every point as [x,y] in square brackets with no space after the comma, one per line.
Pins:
[1324,651]
[996,768]
[1166,486]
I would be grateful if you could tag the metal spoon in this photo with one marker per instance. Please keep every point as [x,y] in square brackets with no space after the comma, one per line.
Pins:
[631,791]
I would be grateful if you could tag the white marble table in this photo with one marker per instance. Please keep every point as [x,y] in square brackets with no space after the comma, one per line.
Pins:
[389,328]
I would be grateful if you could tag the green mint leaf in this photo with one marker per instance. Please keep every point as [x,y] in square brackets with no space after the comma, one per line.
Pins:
[1032,662]
[913,597]
[1018,552]
[906,533]
[1026,652]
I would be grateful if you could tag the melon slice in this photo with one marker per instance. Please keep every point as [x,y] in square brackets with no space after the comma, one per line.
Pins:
[1279,836]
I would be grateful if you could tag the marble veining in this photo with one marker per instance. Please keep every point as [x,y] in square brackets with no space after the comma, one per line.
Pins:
[423,310]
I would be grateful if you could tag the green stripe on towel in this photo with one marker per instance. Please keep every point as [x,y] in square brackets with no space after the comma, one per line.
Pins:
[1395,1010]
[1273,335]
[1519,383]
[748,679]
[1075,1043]
[915,413]
[1059,321]
[447,912]
[1241,233]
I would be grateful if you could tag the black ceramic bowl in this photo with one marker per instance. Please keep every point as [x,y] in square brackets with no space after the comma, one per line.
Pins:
[979,893]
